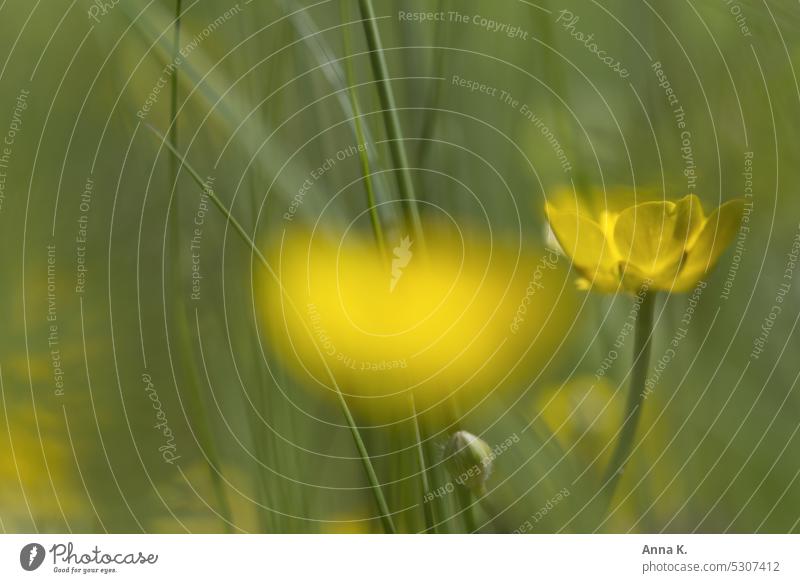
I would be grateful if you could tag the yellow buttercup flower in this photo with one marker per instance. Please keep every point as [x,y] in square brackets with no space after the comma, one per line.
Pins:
[668,245]
[464,319]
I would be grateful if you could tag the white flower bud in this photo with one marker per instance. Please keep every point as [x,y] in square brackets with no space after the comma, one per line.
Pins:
[468,459]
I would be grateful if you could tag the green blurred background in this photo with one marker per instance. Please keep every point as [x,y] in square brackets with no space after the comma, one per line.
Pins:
[262,102]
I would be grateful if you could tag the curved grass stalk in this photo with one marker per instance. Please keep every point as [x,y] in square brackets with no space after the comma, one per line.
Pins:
[385,515]
[431,113]
[314,40]
[173,98]
[391,121]
[427,508]
[430,519]
[362,152]
[179,312]
[206,82]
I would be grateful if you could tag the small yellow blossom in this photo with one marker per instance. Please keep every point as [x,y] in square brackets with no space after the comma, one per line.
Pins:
[669,245]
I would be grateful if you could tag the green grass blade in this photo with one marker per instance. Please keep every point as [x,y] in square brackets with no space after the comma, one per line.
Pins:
[362,153]
[372,477]
[391,121]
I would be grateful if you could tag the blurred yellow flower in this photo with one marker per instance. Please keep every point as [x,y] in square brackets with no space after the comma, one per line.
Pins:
[584,414]
[39,485]
[460,316]
[670,245]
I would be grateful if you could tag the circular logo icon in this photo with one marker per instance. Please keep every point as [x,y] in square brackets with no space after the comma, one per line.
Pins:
[31,556]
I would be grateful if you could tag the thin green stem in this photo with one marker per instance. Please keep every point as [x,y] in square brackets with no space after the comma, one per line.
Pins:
[380,500]
[375,486]
[400,160]
[204,426]
[431,113]
[633,410]
[209,191]
[180,319]
[498,523]
[362,151]
[391,121]
[467,509]
[436,478]
[173,94]
[427,507]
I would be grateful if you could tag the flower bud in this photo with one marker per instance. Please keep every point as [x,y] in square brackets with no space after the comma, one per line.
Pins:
[468,459]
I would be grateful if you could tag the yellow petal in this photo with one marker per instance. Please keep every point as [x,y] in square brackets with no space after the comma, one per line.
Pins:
[602,280]
[718,231]
[689,219]
[634,279]
[582,240]
[645,237]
